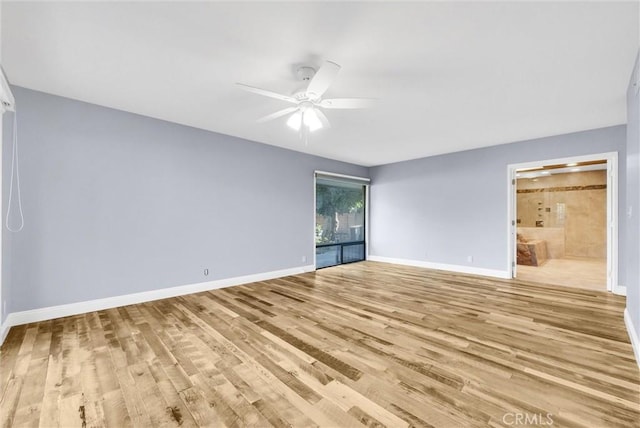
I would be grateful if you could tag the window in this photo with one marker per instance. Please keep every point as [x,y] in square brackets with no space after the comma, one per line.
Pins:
[340,221]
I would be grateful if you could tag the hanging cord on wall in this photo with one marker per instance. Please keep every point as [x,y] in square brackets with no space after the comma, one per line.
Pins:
[15,172]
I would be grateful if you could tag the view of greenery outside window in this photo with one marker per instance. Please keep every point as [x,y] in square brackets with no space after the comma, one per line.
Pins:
[340,215]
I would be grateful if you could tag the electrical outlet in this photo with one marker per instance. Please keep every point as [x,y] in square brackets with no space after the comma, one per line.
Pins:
[304,259]
[4,306]
[206,272]
[470,259]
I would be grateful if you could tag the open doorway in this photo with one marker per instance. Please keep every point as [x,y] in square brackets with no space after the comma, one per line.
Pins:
[563,225]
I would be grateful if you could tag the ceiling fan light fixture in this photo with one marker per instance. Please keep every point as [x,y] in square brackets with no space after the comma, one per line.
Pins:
[295,121]
[307,114]
[311,119]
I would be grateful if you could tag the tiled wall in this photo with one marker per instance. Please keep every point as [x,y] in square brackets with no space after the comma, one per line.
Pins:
[575,202]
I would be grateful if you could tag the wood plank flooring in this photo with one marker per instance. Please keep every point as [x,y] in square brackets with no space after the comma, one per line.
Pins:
[366,344]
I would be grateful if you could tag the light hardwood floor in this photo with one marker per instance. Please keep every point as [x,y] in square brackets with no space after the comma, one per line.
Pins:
[363,344]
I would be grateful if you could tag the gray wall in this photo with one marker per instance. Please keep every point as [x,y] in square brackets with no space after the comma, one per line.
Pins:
[117,203]
[633,201]
[442,209]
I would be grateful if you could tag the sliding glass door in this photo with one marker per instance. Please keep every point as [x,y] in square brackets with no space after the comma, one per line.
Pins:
[340,221]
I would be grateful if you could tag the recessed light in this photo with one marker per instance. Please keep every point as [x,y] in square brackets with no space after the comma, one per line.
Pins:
[545,173]
[572,164]
[575,169]
[518,175]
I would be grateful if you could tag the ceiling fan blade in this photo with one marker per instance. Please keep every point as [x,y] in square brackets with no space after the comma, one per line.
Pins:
[323,118]
[277,114]
[322,80]
[266,93]
[348,103]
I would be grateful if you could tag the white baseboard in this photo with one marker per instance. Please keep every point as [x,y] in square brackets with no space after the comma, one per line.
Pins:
[4,330]
[633,335]
[51,312]
[620,290]
[442,266]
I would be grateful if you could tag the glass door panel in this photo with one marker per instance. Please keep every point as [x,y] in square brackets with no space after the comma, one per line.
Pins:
[340,222]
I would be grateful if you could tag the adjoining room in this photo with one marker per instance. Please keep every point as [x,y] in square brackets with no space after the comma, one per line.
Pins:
[562,224]
[320,214]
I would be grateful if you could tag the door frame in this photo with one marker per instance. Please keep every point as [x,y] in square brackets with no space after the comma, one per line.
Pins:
[612,212]
[366,182]
[2,302]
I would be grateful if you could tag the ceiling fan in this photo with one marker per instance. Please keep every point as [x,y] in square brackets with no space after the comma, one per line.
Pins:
[307,114]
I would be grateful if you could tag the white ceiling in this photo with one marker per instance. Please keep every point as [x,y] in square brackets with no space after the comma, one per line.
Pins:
[449,76]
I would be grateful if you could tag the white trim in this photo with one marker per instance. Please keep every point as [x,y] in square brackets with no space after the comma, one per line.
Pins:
[633,335]
[612,223]
[620,290]
[313,241]
[612,211]
[367,220]
[51,312]
[350,177]
[511,225]
[4,329]
[443,266]
[2,333]
[569,159]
